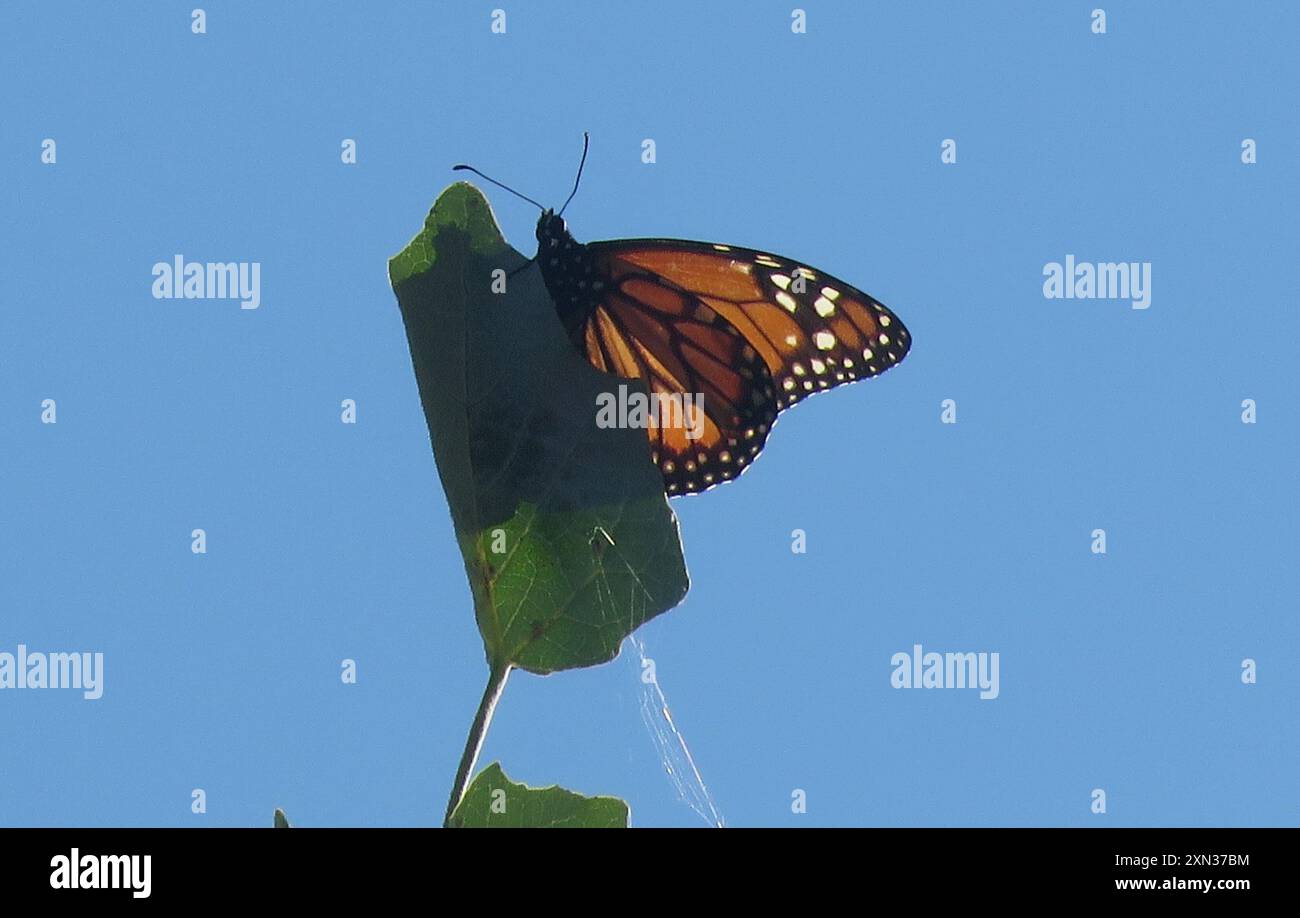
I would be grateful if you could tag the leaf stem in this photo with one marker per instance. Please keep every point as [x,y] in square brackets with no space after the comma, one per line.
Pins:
[477,733]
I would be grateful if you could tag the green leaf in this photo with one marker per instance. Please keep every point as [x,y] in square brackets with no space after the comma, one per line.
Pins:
[568,540]
[520,806]
[281,820]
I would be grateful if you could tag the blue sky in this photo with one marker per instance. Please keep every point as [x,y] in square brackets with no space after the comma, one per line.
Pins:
[326,541]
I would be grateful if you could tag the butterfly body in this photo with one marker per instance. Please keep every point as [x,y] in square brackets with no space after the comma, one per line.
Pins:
[569,273]
[746,333]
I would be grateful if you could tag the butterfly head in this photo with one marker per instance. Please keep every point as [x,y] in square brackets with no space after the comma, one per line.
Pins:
[551,229]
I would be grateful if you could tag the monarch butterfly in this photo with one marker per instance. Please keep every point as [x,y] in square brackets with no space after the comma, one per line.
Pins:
[752,333]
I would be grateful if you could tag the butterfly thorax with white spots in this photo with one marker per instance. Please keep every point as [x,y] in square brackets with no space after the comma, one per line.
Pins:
[569,272]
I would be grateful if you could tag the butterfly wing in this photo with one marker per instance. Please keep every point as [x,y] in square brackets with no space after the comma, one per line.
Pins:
[752,333]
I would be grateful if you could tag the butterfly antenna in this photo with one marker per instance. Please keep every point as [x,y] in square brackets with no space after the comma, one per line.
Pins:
[586,139]
[460,166]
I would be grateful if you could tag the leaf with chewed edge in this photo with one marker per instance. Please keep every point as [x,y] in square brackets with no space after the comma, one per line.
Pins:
[494,801]
[567,537]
